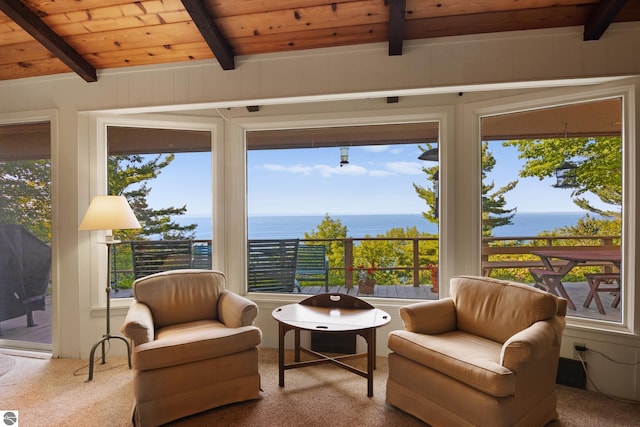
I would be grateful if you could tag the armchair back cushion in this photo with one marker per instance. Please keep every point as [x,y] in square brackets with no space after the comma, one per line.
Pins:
[180,297]
[493,309]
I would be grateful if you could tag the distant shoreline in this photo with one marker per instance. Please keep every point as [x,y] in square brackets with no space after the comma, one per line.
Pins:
[387,214]
[294,226]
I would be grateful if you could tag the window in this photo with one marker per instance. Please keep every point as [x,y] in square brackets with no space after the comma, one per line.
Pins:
[360,193]
[166,176]
[552,203]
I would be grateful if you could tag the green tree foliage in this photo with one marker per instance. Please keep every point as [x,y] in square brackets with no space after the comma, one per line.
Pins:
[590,226]
[330,228]
[598,161]
[386,255]
[494,213]
[391,255]
[428,194]
[128,176]
[25,198]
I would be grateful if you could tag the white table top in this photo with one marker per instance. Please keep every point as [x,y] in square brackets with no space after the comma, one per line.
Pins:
[330,318]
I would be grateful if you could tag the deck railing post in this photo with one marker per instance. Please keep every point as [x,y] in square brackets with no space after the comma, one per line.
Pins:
[348,263]
[416,264]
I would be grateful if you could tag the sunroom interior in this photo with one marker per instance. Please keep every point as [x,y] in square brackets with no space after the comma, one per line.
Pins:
[446,83]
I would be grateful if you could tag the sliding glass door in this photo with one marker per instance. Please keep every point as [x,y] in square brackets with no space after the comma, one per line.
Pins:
[25,235]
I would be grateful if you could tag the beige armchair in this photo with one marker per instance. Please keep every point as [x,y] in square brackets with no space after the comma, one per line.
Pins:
[194,345]
[486,356]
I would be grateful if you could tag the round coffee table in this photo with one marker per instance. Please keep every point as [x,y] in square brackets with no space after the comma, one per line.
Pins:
[337,313]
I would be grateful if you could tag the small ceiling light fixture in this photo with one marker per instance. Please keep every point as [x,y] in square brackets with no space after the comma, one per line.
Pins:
[344,156]
[430,155]
[567,172]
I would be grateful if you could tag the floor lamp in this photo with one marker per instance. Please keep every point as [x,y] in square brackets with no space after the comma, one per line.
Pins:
[108,213]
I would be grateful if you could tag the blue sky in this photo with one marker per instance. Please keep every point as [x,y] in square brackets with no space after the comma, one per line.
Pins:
[378,179]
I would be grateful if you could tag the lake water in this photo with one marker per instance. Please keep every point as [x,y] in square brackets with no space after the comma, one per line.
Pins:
[275,227]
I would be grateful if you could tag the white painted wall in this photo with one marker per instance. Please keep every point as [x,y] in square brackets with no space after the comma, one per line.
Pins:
[487,68]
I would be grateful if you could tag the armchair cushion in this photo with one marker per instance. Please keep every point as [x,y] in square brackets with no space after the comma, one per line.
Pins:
[192,342]
[470,359]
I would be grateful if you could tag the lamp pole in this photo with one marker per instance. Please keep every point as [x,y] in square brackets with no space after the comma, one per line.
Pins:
[107,336]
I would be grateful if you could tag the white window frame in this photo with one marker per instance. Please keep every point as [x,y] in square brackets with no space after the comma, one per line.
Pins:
[472,116]
[237,147]
[98,154]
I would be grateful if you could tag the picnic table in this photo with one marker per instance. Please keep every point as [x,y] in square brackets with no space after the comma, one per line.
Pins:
[551,276]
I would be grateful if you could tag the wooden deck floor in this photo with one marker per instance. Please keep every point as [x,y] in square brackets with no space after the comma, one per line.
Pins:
[17,330]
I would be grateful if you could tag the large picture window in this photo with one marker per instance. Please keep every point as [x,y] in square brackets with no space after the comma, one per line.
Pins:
[552,203]
[344,209]
[166,176]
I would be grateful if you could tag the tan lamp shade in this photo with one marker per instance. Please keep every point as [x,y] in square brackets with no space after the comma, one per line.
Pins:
[109,213]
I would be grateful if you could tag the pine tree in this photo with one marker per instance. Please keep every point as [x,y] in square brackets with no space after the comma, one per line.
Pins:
[128,176]
[494,213]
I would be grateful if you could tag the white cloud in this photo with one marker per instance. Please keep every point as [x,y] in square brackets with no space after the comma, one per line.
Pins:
[274,168]
[380,173]
[323,169]
[297,169]
[349,170]
[376,148]
[405,168]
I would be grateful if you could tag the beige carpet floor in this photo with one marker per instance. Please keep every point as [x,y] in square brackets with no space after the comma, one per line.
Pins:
[55,393]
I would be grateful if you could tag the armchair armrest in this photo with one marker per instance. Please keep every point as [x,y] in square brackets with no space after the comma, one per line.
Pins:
[528,345]
[138,325]
[235,310]
[429,317]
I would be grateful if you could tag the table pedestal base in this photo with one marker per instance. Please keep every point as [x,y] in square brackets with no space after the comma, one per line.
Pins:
[368,334]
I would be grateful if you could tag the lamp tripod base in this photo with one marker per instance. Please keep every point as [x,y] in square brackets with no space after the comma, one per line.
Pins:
[106,337]
[101,342]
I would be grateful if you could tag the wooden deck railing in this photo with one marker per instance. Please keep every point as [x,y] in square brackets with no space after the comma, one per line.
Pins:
[347,268]
[515,252]
[497,253]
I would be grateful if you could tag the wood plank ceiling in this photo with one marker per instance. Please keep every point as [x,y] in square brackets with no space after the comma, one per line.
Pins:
[43,37]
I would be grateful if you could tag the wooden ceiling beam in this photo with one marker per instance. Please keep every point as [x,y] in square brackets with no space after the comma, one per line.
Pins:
[29,21]
[396,26]
[601,18]
[211,33]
